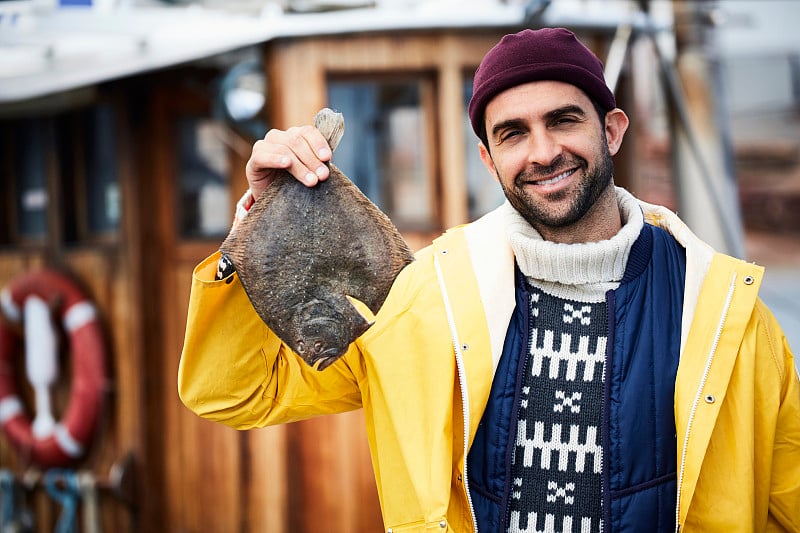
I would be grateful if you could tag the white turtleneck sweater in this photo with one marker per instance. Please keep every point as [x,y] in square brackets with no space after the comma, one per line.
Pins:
[583,271]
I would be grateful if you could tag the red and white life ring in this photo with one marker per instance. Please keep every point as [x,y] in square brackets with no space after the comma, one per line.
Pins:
[67,439]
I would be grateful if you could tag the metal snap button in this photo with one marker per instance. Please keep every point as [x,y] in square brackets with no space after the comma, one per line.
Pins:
[748,280]
[710,398]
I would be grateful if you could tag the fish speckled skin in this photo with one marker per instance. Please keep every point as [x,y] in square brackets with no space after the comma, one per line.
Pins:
[301,250]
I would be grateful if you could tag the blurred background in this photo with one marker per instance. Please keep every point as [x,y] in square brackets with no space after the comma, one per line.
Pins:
[124,130]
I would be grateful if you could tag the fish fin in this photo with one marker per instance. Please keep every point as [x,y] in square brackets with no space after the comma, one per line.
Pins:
[331,125]
[362,309]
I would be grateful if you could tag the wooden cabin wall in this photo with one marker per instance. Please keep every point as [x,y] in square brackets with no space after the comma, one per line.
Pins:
[104,269]
[184,474]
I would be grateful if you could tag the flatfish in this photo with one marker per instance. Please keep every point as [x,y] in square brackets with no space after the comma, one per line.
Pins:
[302,251]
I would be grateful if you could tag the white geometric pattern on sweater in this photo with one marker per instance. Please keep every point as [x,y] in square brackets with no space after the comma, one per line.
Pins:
[548,351]
[556,446]
[517,494]
[555,492]
[549,525]
[570,401]
[557,459]
[524,398]
[572,314]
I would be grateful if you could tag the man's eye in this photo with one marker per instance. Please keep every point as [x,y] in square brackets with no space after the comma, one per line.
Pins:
[509,134]
[564,120]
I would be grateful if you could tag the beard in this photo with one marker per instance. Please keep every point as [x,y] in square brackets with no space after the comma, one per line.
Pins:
[593,182]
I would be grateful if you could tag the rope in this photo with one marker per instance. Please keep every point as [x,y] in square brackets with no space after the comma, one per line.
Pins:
[63,487]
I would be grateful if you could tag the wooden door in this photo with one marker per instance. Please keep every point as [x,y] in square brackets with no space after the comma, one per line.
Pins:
[214,478]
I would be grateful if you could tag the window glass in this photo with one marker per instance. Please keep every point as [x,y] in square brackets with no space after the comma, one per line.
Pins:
[73,153]
[203,165]
[31,177]
[483,192]
[102,183]
[385,147]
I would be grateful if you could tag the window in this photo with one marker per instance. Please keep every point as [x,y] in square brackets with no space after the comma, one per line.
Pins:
[102,181]
[88,174]
[386,150]
[483,192]
[204,203]
[61,177]
[30,173]
[385,147]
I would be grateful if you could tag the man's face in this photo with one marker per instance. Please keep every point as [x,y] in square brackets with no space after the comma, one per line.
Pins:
[551,154]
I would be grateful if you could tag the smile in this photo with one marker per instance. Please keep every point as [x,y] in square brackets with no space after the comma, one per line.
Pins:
[557,178]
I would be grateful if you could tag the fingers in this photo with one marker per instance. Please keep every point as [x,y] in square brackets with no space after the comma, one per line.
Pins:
[307,150]
[302,151]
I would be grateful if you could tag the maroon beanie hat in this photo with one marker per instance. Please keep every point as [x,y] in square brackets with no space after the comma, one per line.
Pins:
[533,55]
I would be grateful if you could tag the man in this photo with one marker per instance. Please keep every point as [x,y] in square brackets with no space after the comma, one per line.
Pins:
[576,360]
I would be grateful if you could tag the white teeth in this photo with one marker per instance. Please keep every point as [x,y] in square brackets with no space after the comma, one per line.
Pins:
[557,178]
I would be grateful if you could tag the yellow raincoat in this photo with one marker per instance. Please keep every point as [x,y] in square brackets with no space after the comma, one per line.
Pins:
[422,373]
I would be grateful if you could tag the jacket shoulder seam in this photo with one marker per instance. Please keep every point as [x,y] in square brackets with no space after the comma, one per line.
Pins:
[773,352]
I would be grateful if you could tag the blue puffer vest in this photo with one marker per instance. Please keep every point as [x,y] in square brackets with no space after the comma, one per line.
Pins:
[638,426]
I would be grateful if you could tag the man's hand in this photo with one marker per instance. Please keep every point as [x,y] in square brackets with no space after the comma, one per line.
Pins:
[302,150]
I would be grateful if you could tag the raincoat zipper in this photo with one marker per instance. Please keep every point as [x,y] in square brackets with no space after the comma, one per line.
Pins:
[697,396]
[462,381]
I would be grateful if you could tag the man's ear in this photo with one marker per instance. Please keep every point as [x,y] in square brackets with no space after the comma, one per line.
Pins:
[488,162]
[616,124]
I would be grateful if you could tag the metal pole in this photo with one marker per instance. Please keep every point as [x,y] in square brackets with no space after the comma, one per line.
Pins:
[701,148]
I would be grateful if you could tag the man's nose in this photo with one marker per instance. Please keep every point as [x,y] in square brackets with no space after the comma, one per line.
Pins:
[543,148]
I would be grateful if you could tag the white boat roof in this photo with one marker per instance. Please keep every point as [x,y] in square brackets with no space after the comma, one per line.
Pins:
[62,49]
